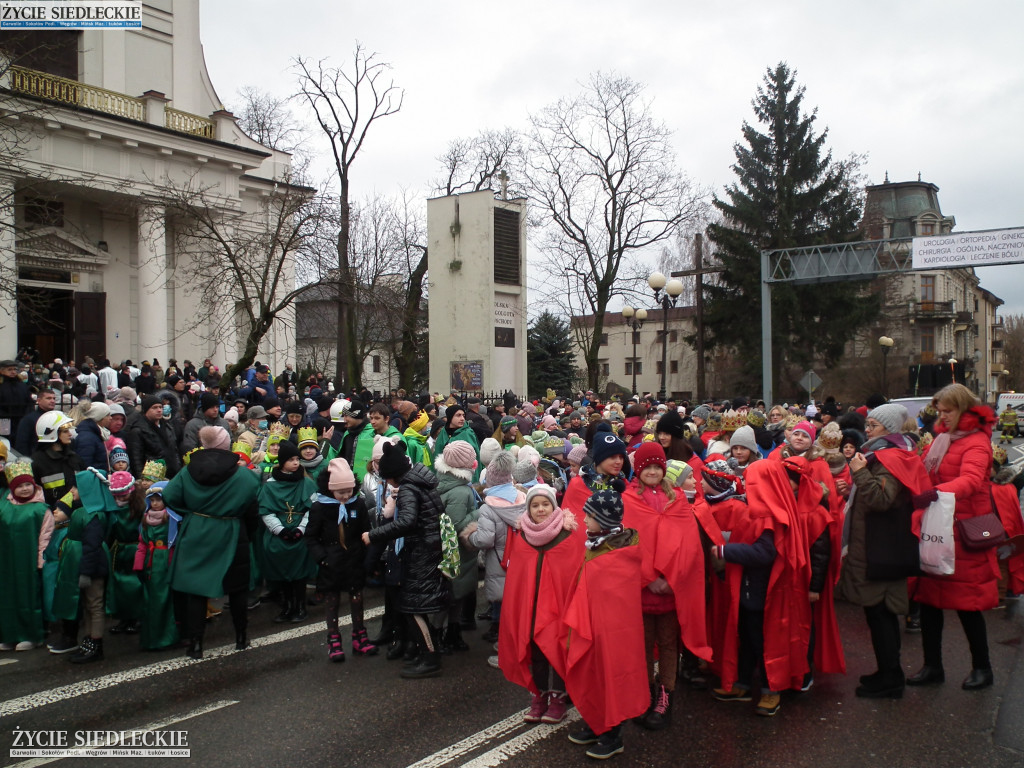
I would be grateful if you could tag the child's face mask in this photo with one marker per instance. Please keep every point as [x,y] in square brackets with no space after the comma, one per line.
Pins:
[167,411]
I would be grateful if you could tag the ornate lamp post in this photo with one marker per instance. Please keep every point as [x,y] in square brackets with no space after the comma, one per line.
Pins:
[634,320]
[886,344]
[667,300]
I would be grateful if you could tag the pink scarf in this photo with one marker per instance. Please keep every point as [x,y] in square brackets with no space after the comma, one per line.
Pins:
[539,534]
[937,450]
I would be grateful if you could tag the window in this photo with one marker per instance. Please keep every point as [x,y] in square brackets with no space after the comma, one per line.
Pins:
[605,371]
[927,342]
[657,367]
[44,213]
[636,337]
[638,364]
[604,339]
[926,228]
[927,289]
[673,366]
[376,363]
[629,368]
[506,246]
[673,336]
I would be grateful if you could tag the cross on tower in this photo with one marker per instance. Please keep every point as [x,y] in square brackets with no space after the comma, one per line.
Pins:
[698,271]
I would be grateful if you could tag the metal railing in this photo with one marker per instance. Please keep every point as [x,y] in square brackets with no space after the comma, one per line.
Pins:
[54,88]
[186,122]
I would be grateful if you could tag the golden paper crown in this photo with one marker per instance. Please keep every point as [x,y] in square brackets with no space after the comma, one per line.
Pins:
[307,436]
[188,456]
[241,447]
[733,421]
[154,471]
[18,469]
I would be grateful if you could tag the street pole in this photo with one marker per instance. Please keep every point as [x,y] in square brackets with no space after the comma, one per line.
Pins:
[667,300]
[886,344]
[634,321]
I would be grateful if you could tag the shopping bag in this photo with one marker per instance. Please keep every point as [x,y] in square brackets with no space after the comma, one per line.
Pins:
[938,552]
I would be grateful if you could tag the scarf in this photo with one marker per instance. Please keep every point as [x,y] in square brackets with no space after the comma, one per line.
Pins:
[539,534]
[506,492]
[595,540]
[939,446]
[312,463]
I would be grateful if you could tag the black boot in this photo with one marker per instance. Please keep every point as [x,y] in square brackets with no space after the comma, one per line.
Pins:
[287,606]
[882,685]
[659,716]
[241,640]
[428,665]
[195,647]
[386,634]
[90,649]
[396,650]
[299,601]
[491,635]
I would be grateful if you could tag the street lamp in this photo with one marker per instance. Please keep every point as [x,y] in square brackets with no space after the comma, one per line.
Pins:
[634,320]
[667,300]
[886,344]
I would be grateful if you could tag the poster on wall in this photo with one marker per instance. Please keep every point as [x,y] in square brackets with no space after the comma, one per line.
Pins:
[467,374]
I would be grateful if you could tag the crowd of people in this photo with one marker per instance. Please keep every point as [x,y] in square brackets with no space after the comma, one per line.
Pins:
[627,546]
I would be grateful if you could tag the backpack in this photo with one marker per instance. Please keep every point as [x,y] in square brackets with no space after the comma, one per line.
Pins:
[450,564]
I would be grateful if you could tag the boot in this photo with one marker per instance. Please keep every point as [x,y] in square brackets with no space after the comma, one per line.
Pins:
[386,634]
[882,685]
[298,602]
[287,608]
[396,650]
[659,716]
[361,645]
[91,649]
[334,650]
[455,638]
[428,665]
[241,640]
[491,635]
[195,647]
[411,652]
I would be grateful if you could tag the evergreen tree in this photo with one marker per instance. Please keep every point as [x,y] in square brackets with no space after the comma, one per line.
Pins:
[789,193]
[549,359]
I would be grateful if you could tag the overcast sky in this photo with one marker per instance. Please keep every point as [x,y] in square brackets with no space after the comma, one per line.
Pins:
[935,88]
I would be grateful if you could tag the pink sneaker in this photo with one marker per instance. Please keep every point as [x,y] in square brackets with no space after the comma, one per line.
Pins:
[538,706]
[556,707]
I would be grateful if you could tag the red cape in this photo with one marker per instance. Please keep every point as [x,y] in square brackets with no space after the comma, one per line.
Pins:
[606,670]
[537,601]
[714,519]
[671,548]
[575,495]
[787,614]
[1007,504]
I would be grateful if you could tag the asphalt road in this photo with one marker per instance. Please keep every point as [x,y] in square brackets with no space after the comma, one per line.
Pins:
[281,703]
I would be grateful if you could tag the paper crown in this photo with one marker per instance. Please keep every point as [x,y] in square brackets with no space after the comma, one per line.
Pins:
[756,418]
[188,456]
[154,471]
[278,432]
[19,472]
[733,421]
[307,436]
[243,448]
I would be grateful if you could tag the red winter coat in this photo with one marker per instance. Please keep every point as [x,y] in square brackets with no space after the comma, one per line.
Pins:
[964,471]
[1007,503]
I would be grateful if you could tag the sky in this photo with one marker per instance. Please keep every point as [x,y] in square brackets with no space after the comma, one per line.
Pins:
[931,88]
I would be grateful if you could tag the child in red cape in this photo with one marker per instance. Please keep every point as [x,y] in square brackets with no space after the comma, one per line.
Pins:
[767,571]
[605,672]
[543,561]
[609,454]
[672,599]
[1007,505]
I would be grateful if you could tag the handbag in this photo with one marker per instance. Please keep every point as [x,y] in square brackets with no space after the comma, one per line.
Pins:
[982,532]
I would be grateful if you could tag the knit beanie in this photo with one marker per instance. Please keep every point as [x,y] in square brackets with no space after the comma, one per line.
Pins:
[121,483]
[605,507]
[808,428]
[577,454]
[489,448]
[499,469]
[671,424]
[208,400]
[287,450]
[507,423]
[450,412]
[378,446]
[853,437]
[149,401]
[605,446]
[548,422]
[891,416]
[340,475]
[295,407]
[215,437]
[744,437]
[677,472]
[530,454]
[830,438]
[394,462]
[118,453]
[719,476]
[459,454]
[647,454]
[541,489]
[524,472]
[701,412]
[420,422]
[98,411]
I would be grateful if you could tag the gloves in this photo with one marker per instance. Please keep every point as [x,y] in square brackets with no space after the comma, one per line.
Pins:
[922,500]
[285,534]
[1005,551]
[84,582]
[296,534]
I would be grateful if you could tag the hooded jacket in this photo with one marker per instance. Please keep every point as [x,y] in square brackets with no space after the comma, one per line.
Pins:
[495,517]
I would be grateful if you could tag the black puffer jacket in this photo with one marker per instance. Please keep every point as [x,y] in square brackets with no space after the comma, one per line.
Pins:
[424,588]
[149,442]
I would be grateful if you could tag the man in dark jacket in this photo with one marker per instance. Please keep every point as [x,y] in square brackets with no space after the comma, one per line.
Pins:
[149,438]
[15,399]
[25,441]
[482,426]
[208,415]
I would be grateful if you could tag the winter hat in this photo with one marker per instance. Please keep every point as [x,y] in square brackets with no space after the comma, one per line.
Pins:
[536,439]
[891,416]
[530,454]
[548,422]
[394,462]
[287,451]
[740,402]
[756,418]
[98,411]
[807,428]
[231,415]
[149,401]
[744,436]
[19,472]
[529,409]
[459,454]
[117,453]
[605,507]
[677,472]
[830,438]
[524,472]
[406,408]
[355,409]
[340,475]
[450,412]
[295,407]
[717,473]
[671,424]
[499,469]
[542,489]
[121,483]
[853,437]
[215,437]
[126,395]
[577,454]
[507,423]
[255,413]
[811,411]
[419,423]
[647,454]
[701,412]
[378,446]
[489,448]
[605,446]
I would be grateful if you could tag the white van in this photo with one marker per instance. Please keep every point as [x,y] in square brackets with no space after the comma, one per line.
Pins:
[1016,401]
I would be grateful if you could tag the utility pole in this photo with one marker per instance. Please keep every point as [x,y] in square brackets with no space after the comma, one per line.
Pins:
[698,273]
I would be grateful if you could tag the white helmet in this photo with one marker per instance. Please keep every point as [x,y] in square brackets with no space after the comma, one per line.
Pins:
[49,425]
[338,409]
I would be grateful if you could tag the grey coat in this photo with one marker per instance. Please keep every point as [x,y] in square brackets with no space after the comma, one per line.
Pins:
[490,535]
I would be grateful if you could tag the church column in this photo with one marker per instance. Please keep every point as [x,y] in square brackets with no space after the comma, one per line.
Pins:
[8,273]
[152,250]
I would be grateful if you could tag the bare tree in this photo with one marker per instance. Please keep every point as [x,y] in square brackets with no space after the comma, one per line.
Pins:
[346,102]
[471,164]
[1013,345]
[268,119]
[603,175]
